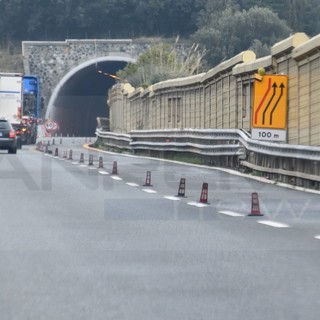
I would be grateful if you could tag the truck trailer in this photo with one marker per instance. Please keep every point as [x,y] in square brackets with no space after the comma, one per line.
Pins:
[11,96]
[20,103]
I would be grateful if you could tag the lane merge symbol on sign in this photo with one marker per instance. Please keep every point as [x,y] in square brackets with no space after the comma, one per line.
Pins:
[270,102]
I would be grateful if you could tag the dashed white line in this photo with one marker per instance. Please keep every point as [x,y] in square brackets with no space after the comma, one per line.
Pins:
[92,168]
[103,172]
[116,178]
[149,190]
[83,165]
[232,214]
[172,198]
[132,184]
[273,224]
[197,204]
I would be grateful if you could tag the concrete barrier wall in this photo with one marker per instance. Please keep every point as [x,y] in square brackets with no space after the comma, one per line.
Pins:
[222,98]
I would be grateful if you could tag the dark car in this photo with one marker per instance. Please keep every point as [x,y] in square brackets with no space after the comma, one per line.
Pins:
[8,139]
[17,126]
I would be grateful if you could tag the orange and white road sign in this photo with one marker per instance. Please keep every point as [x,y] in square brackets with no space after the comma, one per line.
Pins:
[270,102]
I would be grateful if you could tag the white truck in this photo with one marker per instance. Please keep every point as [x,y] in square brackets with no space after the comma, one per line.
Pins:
[11,96]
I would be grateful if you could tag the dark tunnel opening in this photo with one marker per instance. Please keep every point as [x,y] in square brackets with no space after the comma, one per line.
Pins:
[83,98]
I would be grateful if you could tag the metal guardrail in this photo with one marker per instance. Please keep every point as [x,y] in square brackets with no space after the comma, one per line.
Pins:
[241,136]
[235,142]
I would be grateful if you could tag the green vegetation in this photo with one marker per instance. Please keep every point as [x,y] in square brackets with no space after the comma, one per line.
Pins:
[162,62]
[11,59]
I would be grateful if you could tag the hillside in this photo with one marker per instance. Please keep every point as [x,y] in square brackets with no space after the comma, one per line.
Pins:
[11,59]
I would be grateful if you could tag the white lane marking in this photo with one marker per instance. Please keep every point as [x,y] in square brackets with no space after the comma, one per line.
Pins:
[83,165]
[92,168]
[273,224]
[103,172]
[317,237]
[172,198]
[197,204]
[61,159]
[116,178]
[75,162]
[132,184]
[232,214]
[149,190]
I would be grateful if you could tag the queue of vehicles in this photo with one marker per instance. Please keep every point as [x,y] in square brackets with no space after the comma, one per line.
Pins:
[20,105]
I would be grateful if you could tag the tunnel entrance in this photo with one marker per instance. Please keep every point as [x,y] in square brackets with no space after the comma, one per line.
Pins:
[81,97]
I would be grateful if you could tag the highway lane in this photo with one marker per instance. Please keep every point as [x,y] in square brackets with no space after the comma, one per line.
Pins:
[77,243]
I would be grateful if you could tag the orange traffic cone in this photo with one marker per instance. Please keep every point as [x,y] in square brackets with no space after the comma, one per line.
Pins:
[182,188]
[91,160]
[115,167]
[204,193]
[100,162]
[255,208]
[148,180]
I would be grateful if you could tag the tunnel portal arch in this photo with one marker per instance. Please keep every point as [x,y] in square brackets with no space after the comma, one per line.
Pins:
[81,95]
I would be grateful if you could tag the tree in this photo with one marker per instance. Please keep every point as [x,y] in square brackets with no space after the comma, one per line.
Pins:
[232,31]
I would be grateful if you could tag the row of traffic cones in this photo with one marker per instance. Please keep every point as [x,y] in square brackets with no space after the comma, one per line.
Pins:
[255,207]
[90,162]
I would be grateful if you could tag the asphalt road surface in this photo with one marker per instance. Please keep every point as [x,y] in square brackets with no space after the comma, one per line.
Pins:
[78,242]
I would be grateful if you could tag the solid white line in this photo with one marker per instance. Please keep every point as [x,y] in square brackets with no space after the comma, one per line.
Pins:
[232,214]
[273,224]
[317,237]
[116,178]
[132,184]
[149,190]
[172,198]
[197,204]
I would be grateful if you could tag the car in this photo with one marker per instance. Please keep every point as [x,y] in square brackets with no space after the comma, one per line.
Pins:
[17,126]
[8,138]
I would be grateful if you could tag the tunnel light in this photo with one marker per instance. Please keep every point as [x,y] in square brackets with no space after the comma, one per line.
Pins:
[109,75]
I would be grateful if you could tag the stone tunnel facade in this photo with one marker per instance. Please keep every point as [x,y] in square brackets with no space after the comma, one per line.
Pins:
[52,60]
